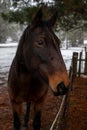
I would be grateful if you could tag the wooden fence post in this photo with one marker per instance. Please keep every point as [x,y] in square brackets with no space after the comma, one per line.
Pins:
[79,69]
[85,70]
[85,49]
[74,63]
[71,77]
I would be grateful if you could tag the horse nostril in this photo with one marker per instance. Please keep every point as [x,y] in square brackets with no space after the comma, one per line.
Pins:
[61,89]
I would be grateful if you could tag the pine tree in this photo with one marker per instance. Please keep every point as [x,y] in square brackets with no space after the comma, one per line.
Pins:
[71,13]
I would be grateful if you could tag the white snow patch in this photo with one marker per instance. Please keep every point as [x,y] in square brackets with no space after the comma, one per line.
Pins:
[11,44]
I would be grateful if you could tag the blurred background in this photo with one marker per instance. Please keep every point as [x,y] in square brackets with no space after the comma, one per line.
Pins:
[71,26]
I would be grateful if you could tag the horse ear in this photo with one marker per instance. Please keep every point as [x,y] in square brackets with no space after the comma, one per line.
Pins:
[38,18]
[53,19]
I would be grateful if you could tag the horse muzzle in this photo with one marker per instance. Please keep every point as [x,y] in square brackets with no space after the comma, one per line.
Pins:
[61,89]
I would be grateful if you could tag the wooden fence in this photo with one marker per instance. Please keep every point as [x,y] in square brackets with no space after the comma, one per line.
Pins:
[79,64]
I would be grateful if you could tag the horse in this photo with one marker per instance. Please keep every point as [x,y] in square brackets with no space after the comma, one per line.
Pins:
[37,66]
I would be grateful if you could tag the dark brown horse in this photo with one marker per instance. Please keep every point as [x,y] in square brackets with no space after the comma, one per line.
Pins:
[37,65]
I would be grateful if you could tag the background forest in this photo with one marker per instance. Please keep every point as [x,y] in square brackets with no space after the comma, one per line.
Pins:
[71,25]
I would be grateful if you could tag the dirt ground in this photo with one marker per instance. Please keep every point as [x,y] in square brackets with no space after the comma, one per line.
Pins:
[77,113]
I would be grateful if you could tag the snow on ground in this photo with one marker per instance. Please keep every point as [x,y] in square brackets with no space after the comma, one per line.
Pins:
[67,54]
[7,52]
[13,44]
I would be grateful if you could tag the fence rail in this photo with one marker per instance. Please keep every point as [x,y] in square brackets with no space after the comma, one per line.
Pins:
[77,62]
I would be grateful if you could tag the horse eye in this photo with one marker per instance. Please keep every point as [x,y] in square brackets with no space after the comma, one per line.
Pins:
[40,42]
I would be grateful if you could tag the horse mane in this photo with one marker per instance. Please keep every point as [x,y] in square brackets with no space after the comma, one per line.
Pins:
[19,58]
[22,40]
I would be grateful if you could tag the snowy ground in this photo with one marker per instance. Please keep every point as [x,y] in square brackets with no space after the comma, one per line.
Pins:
[7,52]
[6,55]
[67,54]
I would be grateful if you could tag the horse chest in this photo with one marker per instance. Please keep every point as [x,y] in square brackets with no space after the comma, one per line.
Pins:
[32,88]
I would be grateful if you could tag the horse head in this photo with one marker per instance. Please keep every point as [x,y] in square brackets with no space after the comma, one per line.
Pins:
[41,53]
